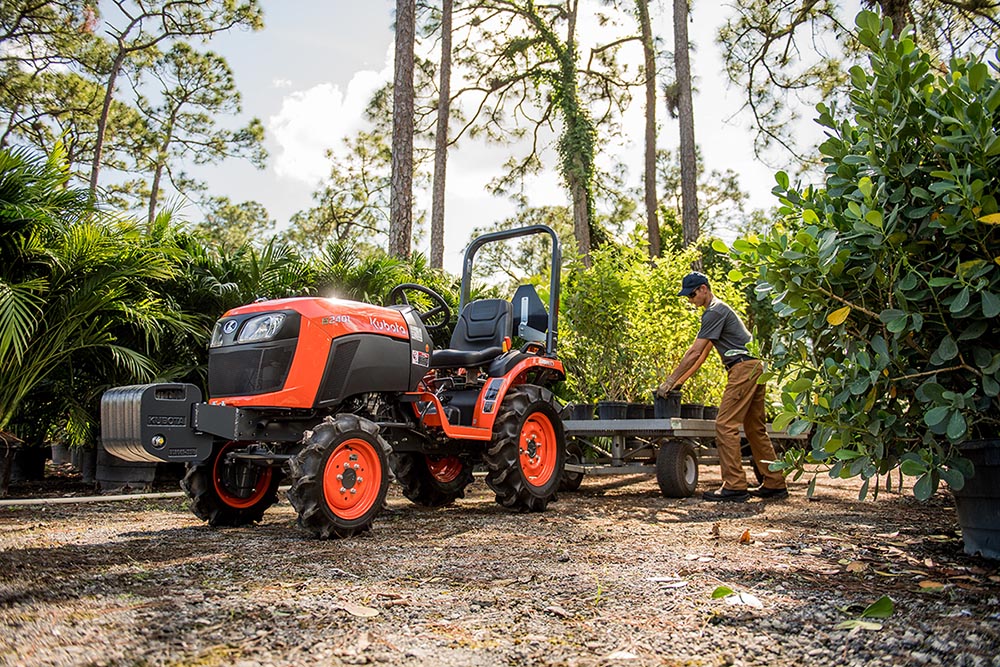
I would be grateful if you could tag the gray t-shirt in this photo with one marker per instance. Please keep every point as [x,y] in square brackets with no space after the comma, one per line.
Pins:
[721,325]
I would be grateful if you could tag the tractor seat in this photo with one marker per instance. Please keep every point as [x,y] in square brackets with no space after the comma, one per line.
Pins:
[479,335]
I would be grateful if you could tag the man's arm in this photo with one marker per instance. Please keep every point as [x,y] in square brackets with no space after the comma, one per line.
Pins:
[689,365]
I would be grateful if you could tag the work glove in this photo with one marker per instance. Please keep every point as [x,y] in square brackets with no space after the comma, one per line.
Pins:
[665,388]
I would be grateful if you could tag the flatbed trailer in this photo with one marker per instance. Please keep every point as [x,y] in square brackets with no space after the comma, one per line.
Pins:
[667,448]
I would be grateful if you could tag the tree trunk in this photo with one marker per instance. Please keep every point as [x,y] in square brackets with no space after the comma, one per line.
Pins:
[577,149]
[685,114]
[102,122]
[401,194]
[154,192]
[441,140]
[900,13]
[649,178]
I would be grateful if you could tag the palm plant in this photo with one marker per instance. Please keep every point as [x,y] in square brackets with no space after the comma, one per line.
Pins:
[78,299]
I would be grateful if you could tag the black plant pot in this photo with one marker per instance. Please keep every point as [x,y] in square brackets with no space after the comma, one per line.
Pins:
[665,408]
[710,412]
[692,410]
[578,411]
[612,410]
[118,475]
[636,411]
[978,502]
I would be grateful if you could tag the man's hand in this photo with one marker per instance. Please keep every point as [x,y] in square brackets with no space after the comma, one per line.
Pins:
[665,387]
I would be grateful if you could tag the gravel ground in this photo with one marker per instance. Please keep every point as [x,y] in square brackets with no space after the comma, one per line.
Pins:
[611,575]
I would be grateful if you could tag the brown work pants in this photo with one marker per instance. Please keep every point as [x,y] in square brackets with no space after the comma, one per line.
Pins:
[743,404]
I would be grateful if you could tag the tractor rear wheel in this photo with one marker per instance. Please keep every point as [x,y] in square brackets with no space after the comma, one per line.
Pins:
[526,457]
[431,481]
[340,477]
[226,491]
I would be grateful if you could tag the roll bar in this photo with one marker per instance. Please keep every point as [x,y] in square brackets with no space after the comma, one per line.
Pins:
[551,335]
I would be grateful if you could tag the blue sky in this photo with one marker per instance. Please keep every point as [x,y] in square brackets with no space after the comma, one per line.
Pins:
[310,72]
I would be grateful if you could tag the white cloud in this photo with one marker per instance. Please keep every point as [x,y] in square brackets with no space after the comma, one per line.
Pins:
[281,83]
[316,120]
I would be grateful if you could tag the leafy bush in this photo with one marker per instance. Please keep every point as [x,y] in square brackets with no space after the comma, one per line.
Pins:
[887,279]
[623,327]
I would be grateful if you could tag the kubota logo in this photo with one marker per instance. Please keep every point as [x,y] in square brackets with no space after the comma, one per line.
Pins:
[383,325]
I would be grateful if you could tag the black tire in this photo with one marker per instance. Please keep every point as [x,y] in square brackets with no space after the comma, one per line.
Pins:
[676,468]
[226,492]
[429,481]
[571,481]
[525,460]
[340,477]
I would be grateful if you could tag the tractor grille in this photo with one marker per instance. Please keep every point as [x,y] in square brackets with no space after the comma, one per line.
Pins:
[245,370]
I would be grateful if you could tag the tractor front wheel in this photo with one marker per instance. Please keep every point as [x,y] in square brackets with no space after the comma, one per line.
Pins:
[228,491]
[526,457]
[340,477]
[431,481]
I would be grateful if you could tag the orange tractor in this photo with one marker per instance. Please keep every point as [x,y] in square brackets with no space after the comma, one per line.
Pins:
[331,394]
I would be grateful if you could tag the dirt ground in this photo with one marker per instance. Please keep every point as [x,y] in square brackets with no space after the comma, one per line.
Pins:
[613,574]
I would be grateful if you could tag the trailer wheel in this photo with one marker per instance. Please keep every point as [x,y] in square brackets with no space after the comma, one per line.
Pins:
[340,477]
[571,481]
[431,481]
[229,492]
[526,457]
[676,469]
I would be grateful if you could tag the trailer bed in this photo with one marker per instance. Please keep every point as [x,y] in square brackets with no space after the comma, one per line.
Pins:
[668,448]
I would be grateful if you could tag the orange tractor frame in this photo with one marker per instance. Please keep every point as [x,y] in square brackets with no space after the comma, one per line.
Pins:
[336,396]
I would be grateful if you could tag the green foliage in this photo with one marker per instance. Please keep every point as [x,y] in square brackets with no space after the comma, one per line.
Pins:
[78,301]
[887,281]
[623,327]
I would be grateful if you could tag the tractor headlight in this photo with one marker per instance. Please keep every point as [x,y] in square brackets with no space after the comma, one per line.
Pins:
[262,327]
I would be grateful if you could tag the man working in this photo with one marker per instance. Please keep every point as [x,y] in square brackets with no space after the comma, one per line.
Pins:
[742,400]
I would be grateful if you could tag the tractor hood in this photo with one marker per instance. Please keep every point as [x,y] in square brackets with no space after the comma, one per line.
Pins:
[309,352]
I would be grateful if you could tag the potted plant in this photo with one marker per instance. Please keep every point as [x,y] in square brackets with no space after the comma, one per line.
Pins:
[887,278]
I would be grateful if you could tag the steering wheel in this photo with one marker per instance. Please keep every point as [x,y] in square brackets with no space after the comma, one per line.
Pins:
[439,309]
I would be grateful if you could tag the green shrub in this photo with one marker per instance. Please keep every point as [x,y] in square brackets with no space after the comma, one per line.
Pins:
[623,327]
[887,279]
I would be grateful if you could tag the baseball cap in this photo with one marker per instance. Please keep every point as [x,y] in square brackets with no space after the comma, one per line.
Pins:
[691,282]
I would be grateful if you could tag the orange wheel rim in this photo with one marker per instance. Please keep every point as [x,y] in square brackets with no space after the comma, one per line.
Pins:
[261,485]
[537,449]
[352,479]
[445,469]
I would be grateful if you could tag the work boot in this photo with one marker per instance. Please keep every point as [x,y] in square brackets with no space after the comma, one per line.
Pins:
[727,496]
[769,494]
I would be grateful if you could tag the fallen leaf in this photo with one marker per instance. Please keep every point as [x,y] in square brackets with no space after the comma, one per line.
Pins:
[622,655]
[745,537]
[858,623]
[557,611]
[357,609]
[856,567]
[887,574]
[721,592]
[929,563]
[744,599]
[931,585]
[812,550]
